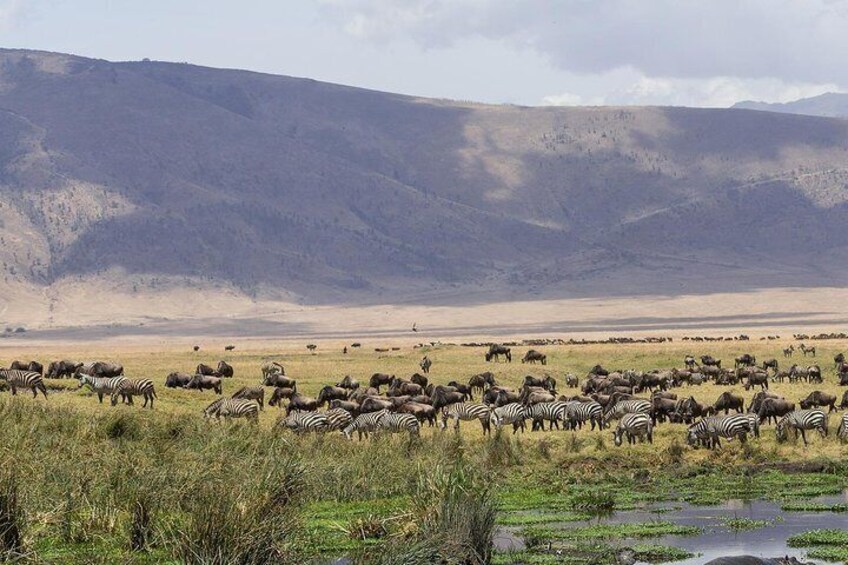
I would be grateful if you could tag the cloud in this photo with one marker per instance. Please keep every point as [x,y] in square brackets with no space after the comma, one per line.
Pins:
[11,12]
[787,40]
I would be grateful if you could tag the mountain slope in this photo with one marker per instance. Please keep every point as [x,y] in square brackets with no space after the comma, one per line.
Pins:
[829,105]
[151,173]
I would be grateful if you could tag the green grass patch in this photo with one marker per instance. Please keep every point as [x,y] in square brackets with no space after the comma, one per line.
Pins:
[538,536]
[830,545]
[801,506]
[659,553]
[745,524]
[529,518]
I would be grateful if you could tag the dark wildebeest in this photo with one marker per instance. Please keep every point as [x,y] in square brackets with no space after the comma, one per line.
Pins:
[256,393]
[279,395]
[463,388]
[758,398]
[106,370]
[229,347]
[196,348]
[204,382]
[301,402]
[349,405]
[225,370]
[362,393]
[62,369]
[844,403]
[839,359]
[533,356]
[689,361]
[728,401]
[420,379]
[280,381]
[814,374]
[495,352]
[571,381]
[348,382]
[402,388]
[481,381]
[203,369]
[425,365]
[843,376]
[774,409]
[374,404]
[690,409]
[329,392]
[490,397]
[422,412]
[755,378]
[819,398]
[662,408]
[598,370]
[379,379]
[177,380]
[745,360]
[547,382]
[710,361]
[32,367]
[771,364]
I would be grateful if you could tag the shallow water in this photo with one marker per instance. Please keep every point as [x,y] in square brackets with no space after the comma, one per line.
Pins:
[717,540]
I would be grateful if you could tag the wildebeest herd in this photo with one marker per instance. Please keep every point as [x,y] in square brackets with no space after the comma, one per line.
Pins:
[638,401]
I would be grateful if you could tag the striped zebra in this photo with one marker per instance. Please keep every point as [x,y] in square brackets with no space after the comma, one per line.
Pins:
[256,393]
[364,424]
[753,423]
[708,431]
[578,413]
[233,408]
[338,418]
[512,413]
[800,421]
[398,423]
[128,388]
[553,412]
[636,426]
[842,430]
[462,411]
[622,407]
[100,385]
[300,422]
[24,379]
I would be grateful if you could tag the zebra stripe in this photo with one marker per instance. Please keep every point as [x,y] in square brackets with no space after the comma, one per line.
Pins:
[553,412]
[24,379]
[709,430]
[396,423]
[635,426]
[338,418]
[579,412]
[622,407]
[800,421]
[256,393]
[512,413]
[365,423]
[462,411]
[842,431]
[128,388]
[233,408]
[299,422]
[100,385]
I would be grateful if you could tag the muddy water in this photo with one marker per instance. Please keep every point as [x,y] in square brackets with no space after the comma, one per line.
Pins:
[717,540]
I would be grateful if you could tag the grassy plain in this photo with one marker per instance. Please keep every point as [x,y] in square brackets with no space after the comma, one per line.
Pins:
[88,475]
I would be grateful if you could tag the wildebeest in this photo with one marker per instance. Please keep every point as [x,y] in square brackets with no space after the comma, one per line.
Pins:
[758,398]
[492,395]
[689,361]
[533,356]
[379,379]
[838,359]
[32,367]
[229,347]
[495,351]
[225,370]
[463,388]
[279,395]
[482,380]
[422,412]
[62,369]
[420,379]
[745,360]
[844,403]
[689,409]
[400,388]
[789,351]
[106,370]
[425,365]
[204,382]
[728,401]
[177,380]
[272,368]
[196,348]
[547,382]
[329,392]
[349,405]
[571,381]
[256,393]
[301,402]
[807,350]
[819,398]
[204,369]
[771,364]
[374,404]
[710,361]
[280,381]
[774,409]
[348,382]
[445,396]
[754,378]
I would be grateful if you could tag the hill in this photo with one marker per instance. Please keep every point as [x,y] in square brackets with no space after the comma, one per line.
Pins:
[830,105]
[142,178]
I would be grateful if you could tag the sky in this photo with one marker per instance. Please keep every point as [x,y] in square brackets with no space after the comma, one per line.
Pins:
[528,52]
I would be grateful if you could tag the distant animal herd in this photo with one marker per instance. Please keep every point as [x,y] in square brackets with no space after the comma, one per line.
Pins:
[389,404]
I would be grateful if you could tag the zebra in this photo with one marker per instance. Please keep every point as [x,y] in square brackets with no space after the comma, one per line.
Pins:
[365,423]
[553,412]
[24,379]
[338,418]
[300,421]
[233,408]
[623,407]
[842,430]
[753,423]
[466,411]
[128,388]
[800,421]
[709,430]
[395,423]
[579,412]
[635,426]
[100,385]
[512,413]
[256,393]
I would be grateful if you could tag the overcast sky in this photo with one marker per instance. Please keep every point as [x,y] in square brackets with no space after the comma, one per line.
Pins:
[680,52]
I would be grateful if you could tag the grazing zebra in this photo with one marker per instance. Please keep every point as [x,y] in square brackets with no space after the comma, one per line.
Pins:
[300,422]
[842,431]
[622,407]
[24,379]
[553,412]
[467,412]
[232,408]
[396,423]
[128,388]
[365,423]
[338,418]
[800,421]
[256,393]
[577,413]
[512,413]
[636,426]
[753,423]
[709,430]
[100,385]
